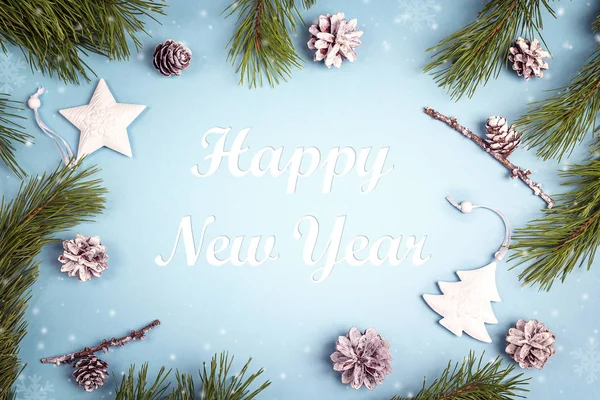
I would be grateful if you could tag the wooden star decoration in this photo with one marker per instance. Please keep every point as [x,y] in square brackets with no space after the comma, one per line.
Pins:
[103,122]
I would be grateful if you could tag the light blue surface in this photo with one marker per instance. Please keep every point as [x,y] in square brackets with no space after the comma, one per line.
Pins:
[273,313]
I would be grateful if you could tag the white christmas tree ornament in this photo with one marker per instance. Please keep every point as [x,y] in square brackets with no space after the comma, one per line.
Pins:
[466,305]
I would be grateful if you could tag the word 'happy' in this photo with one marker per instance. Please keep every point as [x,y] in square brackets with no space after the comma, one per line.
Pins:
[301,156]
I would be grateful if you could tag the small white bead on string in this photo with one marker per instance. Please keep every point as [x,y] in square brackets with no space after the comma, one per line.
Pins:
[65,151]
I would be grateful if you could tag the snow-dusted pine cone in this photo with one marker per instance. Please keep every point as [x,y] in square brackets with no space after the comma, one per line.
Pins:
[530,344]
[171,58]
[334,39]
[502,139]
[362,359]
[528,58]
[84,257]
[90,373]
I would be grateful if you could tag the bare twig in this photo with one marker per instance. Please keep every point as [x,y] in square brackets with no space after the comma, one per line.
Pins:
[515,172]
[69,358]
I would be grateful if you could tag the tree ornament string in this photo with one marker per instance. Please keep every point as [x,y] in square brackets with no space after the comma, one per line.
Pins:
[134,335]
[515,171]
[63,147]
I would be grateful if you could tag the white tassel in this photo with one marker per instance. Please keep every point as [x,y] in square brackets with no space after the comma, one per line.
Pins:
[65,151]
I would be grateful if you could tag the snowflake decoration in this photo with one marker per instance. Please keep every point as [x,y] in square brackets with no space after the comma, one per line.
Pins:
[11,72]
[418,14]
[587,363]
[32,388]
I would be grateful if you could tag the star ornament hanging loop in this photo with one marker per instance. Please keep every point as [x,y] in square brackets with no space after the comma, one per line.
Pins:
[466,305]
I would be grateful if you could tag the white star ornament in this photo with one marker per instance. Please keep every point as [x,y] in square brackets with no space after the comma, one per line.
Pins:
[103,122]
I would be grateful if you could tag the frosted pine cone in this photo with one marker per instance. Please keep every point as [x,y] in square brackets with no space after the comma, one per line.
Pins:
[530,344]
[362,359]
[334,39]
[90,373]
[502,139]
[528,58]
[84,257]
[171,58]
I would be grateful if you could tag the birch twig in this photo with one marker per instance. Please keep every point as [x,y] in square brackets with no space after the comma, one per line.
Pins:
[69,358]
[515,171]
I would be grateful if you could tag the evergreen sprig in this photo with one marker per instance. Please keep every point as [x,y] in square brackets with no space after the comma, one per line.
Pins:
[557,124]
[43,207]
[261,48]
[55,35]
[565,237]
[474,380]
[134,387]
[10,133]
[216,383]
[474,54]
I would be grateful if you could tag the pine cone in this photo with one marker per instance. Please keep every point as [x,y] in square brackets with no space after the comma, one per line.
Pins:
[530,344]
[90,373]
[502,139]
[84,257]
[171,58]
[528,58]
[334,39]
[362,359]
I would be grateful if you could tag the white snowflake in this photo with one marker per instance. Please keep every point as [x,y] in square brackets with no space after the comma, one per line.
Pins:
[11,72]
[32,388]
[587,361]
[418,14]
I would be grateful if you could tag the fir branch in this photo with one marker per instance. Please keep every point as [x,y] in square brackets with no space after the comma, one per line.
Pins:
[137,388]
[11,133]
[474,380]
[103,346]
[557,124]
[474,54]
[56,35]
[216,383]
[567,236]
[43,207]
[261,47]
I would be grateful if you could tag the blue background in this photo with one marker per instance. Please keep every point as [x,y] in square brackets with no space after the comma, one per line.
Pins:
[274,313]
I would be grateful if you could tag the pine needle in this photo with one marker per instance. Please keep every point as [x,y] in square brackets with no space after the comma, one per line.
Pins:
[217,384]
[474,54]
[43,207]
[11,133]
[261,48]
[137,388]
[557,124]
[474,380]
[568,235]
[56,35]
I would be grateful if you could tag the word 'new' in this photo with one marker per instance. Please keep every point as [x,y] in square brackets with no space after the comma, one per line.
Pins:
[304,162]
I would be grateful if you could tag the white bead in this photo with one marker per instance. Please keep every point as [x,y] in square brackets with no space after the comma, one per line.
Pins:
[34,103]
[466,207]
